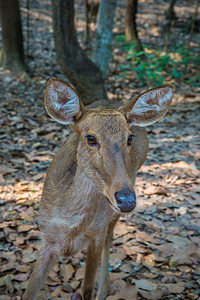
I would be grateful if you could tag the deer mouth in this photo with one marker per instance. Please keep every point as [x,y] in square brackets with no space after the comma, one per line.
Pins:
[114,207]
[117,210]
[122,203]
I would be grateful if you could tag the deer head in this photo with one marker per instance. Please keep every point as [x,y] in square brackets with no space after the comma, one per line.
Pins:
[106,150]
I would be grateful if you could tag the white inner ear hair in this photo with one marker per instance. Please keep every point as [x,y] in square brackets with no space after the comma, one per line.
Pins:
[156,100]
[68,105]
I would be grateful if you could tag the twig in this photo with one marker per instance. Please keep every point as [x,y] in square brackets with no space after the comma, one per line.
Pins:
[37,15]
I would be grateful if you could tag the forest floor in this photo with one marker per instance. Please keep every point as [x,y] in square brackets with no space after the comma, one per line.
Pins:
[155,252]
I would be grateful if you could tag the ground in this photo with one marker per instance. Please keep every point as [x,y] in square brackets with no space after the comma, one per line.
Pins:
[155,252]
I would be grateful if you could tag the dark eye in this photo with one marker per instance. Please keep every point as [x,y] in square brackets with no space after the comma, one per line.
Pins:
[91,140]
[130,138]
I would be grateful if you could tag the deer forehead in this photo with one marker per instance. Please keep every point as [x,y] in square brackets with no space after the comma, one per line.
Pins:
[106,122]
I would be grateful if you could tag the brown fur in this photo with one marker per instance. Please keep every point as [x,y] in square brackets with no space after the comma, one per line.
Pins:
[78,207]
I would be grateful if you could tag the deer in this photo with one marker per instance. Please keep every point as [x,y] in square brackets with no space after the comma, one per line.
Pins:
[90,182]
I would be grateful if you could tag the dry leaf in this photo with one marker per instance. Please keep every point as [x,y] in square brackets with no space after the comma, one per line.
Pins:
[149,261]
[123,291]
[80,273]
[24,228]
[144,237]
[22,277]
[7,281]
[6,170]
[178,241]
[53,276]
[155,295]
[160,190]
[176,288]
[66,271]
[144,284]
[131,250]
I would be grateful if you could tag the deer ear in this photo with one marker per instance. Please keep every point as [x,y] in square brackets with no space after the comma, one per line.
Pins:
[62,102]
[148,107]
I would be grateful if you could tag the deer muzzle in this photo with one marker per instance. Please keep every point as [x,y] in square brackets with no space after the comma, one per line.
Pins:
[125,200]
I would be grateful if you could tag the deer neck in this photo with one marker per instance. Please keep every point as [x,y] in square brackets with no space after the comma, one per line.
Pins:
[81,200]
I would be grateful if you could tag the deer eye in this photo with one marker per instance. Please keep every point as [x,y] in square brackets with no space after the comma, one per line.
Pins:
[91,140]
[130,139]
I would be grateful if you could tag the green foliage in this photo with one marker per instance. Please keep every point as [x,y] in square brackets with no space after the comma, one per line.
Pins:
[156,67]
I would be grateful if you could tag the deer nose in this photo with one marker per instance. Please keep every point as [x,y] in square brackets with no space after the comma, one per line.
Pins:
[126,200]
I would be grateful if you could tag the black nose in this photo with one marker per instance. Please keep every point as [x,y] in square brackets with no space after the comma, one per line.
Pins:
[126,200]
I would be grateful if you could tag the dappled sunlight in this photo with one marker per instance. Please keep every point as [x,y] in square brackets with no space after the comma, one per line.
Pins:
[22,192]
[156,243]
[155,250]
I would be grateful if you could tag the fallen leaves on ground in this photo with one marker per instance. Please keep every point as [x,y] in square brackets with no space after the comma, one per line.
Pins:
[155,252]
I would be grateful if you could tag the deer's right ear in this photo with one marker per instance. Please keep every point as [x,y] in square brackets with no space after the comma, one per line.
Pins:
[62,102]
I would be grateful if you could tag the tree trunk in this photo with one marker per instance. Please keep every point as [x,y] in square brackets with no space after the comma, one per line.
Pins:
[193,23]
[12,36]
[87,21]
[131,26]
[167,25]
[77,67]
[170,14]
[103,42]
[91,12]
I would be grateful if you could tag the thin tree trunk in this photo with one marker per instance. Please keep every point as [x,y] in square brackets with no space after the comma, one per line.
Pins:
[170,17]
[103,42]
[131,26]
[170,14]
[91,12]
[193,21]
[12,36]
[87,21]
[77,67]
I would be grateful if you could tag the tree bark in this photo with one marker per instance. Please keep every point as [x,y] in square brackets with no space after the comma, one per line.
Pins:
[130,25]
[77,67]
[91,12]
[170,14]
[193,23]
[167,25]
[103,42]
[12,36]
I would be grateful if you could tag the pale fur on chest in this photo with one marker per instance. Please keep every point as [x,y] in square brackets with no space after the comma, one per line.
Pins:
[67,239]
[71,228]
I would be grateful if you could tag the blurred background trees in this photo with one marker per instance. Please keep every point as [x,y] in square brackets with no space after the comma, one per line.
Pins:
[84,58]
[131,25]
[13,52]
[29,138]
[75,64]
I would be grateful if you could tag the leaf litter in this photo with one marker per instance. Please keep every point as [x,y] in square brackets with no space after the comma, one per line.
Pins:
[155,253]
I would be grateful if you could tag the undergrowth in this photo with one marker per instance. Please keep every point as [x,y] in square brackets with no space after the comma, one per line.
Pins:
[156,67]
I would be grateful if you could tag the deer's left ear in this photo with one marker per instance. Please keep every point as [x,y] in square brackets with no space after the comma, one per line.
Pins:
[148,107]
